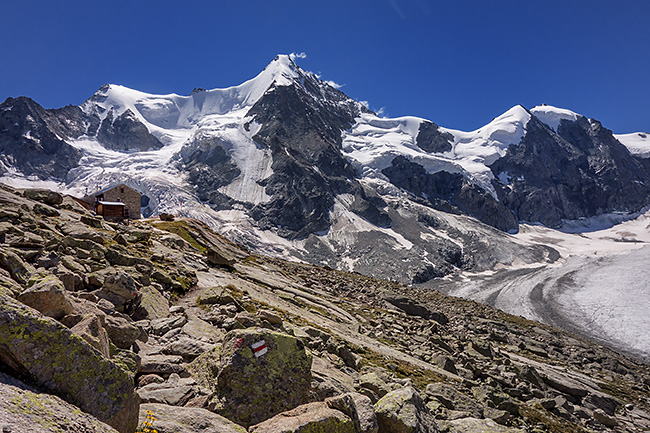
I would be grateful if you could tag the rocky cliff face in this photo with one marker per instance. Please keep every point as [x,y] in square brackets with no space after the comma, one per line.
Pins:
[198,326]
[579,171]
[32,140]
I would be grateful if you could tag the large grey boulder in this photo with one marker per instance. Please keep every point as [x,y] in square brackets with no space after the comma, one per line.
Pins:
[119,288]
[175,419]
[453,399]
[404,411]
[54,358]
[19,270]
[153,305]
[91,330]
[309,418]
[359,408]
[188,348]
[46,196]
[252,387]
[25,409]
[48,296]
[121,331]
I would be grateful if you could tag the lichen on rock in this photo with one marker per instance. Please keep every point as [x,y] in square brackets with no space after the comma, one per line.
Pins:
[253,388]
[52,356]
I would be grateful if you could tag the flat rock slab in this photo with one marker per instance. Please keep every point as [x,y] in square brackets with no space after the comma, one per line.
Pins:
[25,409]
[474,425]
[175,419]
[309,418]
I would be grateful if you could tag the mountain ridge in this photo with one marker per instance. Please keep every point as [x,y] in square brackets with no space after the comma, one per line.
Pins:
[289,165]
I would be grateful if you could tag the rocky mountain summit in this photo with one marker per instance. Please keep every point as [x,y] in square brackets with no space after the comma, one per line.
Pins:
[105,326]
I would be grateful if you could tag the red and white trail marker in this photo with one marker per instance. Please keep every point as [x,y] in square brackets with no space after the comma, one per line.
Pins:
[259,348]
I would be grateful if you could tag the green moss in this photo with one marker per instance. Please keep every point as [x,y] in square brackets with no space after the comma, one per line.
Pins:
[402,369]
[181,229]
[621,389]
[536,414]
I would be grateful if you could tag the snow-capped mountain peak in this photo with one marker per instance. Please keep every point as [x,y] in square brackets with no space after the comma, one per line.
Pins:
[175,111]
[552,116]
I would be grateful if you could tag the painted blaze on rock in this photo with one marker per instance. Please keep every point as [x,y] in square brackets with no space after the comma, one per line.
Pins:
[253,388]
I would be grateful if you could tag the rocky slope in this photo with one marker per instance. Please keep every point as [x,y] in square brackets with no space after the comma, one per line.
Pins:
[290,166]
[102,325]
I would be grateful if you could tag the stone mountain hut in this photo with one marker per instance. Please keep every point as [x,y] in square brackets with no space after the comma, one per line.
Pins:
[116,203]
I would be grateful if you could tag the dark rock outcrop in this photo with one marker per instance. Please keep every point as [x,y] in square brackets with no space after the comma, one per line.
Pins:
[32,138]
[580,171]
[126,133]
[302,125]
[430,138]
[450,192]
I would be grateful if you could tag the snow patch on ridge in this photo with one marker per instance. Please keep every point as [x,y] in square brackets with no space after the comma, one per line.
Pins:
[373,142]
[163,112]
[638,143]
[553,116]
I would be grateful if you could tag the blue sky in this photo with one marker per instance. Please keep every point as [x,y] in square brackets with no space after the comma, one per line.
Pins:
[458,63]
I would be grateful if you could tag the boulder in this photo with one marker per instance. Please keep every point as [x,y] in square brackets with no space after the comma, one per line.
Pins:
[309,418]
[257,374]
[91,330]
[359,408]
[219,258]
[8,283]
[153,305]
[374,383]
[53,357]
[166,394]
[42,209]
[216,295]
[48,296]
[46,196]
[403,411]
[188,348]
[121,331]
[270,317]
[80,230]
[127,360]
[475,425]
[175,419]
[161,364]
[605,419]
[414,308]
[202,330]
[451,398]
[19,270]
[118,288]
[25,409]
[72,281]
[164,325]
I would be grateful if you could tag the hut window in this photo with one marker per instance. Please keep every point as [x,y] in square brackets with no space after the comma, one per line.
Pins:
[122,190]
